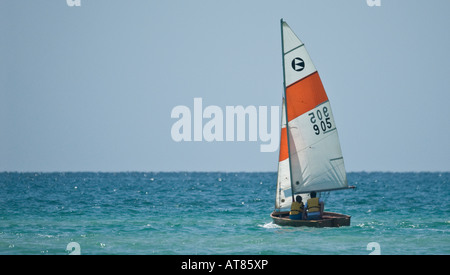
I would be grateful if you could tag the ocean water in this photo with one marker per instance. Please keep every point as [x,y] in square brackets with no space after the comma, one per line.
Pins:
[216,213]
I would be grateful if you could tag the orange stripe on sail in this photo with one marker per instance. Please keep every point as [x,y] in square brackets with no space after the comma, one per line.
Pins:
[284,152]
[304,95]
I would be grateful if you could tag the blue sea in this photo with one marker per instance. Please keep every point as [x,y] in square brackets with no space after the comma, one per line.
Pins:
[216,213]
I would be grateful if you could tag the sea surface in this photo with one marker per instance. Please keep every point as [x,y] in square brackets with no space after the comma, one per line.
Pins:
[215,213]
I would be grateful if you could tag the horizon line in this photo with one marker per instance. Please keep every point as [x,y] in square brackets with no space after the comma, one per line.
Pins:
[212,171]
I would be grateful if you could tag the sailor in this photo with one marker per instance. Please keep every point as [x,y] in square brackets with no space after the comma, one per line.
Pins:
[314,207]
[297,209]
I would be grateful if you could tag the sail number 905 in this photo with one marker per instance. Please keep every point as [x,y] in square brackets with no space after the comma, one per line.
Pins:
[320,120]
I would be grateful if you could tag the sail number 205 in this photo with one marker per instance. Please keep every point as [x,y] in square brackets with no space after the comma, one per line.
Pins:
[320,120]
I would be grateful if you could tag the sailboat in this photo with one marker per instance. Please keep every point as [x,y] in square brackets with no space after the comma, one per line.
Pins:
[310,153]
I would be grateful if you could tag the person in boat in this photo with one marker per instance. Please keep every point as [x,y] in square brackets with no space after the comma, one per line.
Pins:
[314,207]
[297,209]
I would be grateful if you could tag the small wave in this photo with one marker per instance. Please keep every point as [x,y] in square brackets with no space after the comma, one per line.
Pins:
[371,225]
[46,236]
[270,225]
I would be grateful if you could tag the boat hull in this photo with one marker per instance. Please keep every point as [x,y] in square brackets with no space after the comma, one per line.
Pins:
[329,219]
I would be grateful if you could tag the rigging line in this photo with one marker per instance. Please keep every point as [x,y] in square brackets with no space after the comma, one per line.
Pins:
[294,49]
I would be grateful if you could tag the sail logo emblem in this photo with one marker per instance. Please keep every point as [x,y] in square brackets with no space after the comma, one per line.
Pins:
[298,64]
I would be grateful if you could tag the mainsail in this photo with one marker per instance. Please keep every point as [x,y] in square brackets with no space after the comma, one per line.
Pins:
[284,187]
[310,152]
[284,191]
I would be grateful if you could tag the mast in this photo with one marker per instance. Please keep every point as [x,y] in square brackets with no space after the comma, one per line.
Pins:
[285,107]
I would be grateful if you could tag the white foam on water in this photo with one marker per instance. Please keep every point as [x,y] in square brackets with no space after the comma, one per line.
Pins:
[270,225]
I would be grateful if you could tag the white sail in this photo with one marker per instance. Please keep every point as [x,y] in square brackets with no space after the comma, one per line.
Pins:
[284,190]
[315,156]
[284,187]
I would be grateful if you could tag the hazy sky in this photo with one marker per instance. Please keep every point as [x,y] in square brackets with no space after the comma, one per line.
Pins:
[91,88]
